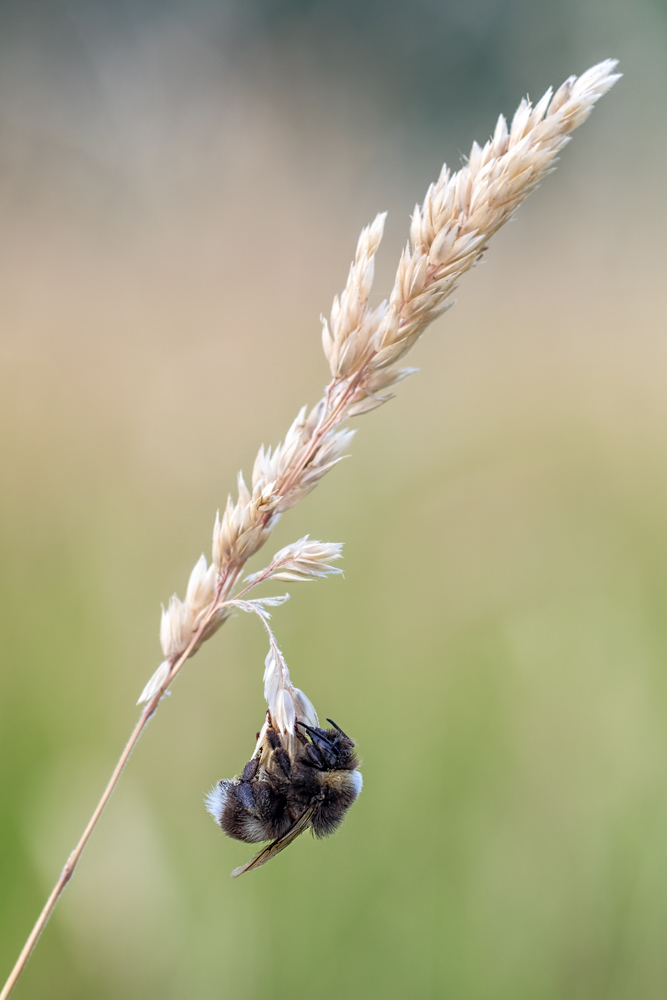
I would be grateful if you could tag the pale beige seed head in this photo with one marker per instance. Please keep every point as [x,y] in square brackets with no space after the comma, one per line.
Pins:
[463,210]
[201,587]
[175,627]
[328,453]
[286,703]
[301,561]
[449,232]
[242,529]
[155,683]
[345,337]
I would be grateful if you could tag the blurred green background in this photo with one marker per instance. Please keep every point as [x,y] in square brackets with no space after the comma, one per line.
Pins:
[181,189]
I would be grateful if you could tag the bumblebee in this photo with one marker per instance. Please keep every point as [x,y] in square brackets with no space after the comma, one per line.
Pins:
[278,796]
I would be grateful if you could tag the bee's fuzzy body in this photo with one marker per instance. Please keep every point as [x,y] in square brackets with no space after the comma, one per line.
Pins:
[274,790]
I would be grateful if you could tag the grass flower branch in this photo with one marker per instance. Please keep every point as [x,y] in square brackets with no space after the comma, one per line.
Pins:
[450,231]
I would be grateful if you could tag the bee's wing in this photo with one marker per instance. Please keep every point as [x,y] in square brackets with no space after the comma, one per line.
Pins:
[276,846]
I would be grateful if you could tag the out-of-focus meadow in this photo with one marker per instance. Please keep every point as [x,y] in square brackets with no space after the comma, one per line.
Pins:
[181,191]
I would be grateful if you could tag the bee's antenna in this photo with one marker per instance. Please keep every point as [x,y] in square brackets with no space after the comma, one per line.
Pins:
[316,733]
[338,728]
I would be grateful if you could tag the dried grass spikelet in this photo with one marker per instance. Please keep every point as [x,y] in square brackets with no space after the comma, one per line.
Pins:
[449,233]
[285,467]
[461,212]
[286,704]
[241,530]
[301,561]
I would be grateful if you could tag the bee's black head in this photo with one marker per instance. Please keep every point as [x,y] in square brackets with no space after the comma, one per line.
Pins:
[329,749]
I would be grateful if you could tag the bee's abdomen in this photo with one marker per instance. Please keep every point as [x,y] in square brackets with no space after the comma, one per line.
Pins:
[340,789]
[254,811]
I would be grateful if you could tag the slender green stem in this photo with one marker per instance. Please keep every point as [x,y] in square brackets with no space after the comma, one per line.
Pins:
[225,585]
[72,861]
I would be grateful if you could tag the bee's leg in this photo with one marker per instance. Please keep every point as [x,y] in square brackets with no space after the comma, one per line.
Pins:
[246,797]
[279,753]
[315,756]
[243,787]
[254,797]
[250,770]
[282,757]
[322,752]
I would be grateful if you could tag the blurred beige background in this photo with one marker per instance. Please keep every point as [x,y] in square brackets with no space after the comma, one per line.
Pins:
[181,189]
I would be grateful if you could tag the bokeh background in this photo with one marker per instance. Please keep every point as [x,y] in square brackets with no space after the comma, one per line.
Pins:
[181,189]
